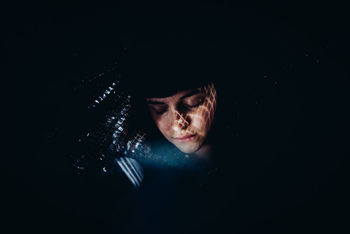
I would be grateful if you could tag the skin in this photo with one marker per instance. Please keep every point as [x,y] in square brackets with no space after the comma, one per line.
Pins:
[185,118]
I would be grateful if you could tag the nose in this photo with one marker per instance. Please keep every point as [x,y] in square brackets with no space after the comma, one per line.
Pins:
[181,122]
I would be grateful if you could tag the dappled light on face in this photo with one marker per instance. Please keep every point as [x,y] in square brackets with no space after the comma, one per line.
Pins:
[185,118]
[180,122]
[197,121]
[202,117]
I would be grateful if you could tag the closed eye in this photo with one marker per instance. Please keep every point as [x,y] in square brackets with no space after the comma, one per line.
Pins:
[158,109]
[193,101]
[193,106]
[159,112]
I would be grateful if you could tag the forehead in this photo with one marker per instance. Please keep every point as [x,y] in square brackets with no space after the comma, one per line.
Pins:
[176,96]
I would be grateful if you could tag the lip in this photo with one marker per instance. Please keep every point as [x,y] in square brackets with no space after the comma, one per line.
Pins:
[185,138]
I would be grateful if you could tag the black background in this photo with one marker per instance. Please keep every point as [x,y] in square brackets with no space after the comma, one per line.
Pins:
[294,107]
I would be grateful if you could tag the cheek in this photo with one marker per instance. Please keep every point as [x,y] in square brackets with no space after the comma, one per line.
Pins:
[198,122]
[201,120]
[199,125]
[162,125]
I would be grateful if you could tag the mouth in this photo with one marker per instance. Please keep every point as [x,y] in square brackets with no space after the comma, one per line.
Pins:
[189,137]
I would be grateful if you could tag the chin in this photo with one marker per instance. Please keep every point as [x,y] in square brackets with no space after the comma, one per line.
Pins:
[188,149]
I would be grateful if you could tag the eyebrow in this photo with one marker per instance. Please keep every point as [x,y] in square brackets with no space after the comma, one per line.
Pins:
[155,103]
[191,93]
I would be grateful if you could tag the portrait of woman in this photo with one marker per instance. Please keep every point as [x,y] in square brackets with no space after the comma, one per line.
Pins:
[185,118]
[179,99]
[209,118]
[177,106]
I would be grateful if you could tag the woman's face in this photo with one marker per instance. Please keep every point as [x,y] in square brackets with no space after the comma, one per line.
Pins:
[185,118]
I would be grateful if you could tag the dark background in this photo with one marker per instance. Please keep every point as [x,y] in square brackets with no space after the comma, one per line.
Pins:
[293,109]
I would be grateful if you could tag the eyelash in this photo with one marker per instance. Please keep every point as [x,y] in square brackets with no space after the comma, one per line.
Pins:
[159,112]
[187,106]
[195,105]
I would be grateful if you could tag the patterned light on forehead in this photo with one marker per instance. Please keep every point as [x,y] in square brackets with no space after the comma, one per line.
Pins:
[210,102]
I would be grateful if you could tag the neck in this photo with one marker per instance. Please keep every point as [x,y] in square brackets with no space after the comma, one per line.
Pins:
[204,152]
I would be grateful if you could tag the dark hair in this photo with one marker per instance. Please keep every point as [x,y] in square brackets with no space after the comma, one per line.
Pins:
[162,67]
